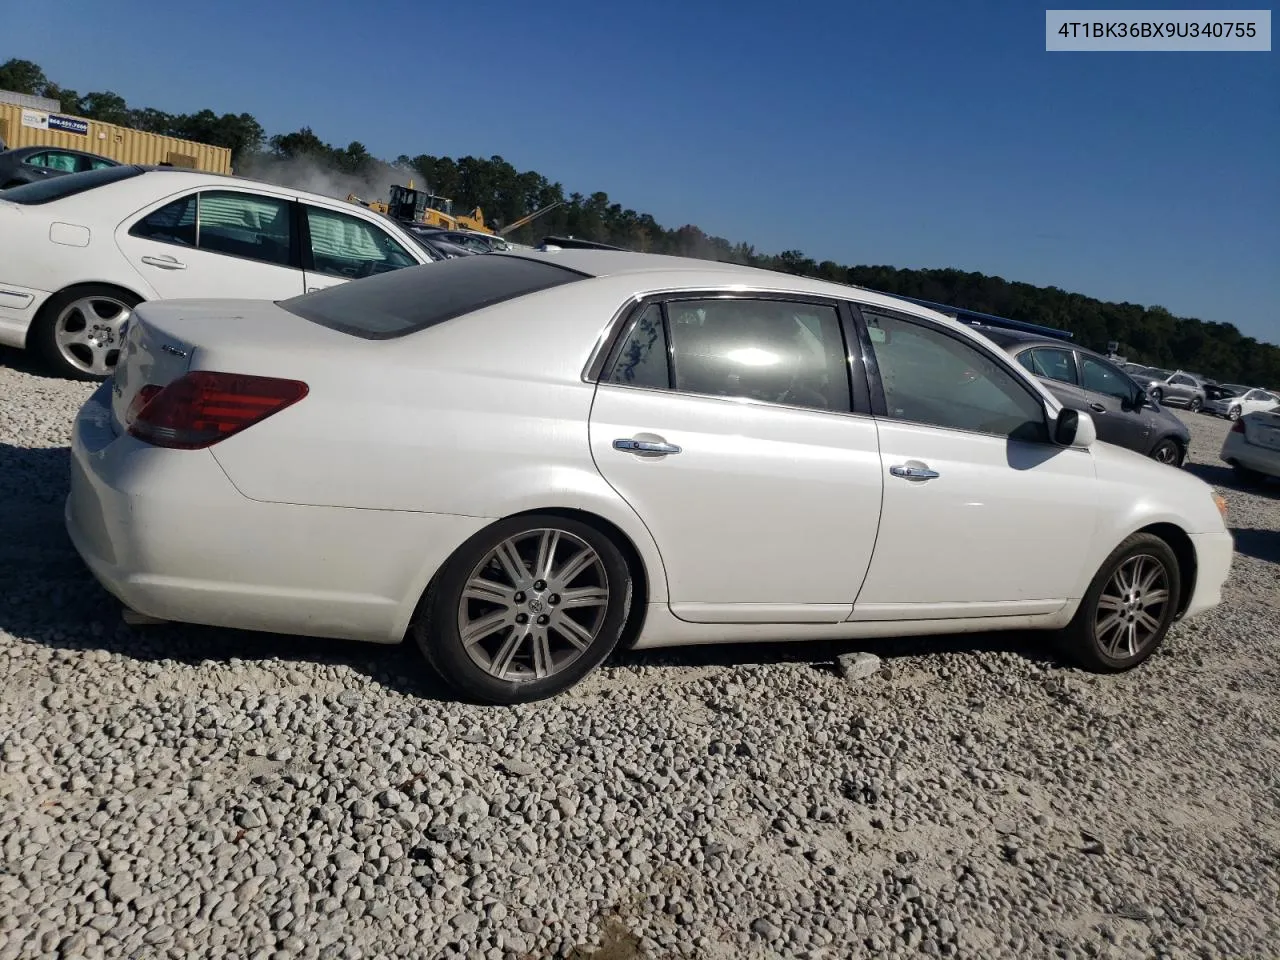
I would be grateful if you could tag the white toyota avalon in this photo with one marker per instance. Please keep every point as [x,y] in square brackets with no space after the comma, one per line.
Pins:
[522,460]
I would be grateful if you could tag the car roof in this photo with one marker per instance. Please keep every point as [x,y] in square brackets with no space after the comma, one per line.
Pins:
[663,270]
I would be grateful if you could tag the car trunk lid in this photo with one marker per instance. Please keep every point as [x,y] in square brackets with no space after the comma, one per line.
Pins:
[168,338]
[1262,428]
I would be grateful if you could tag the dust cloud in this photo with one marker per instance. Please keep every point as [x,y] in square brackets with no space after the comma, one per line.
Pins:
[306,173]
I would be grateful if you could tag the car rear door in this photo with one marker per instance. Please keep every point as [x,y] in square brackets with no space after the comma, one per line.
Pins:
[726,423]
[339,246]
[207,243]
[982,515]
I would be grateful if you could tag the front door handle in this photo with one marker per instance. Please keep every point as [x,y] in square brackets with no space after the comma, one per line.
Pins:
[165,263]
[1097,408]
[913,471]
[645,448]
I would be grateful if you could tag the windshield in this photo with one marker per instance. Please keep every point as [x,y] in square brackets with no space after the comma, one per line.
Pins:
[46,191]
[406,301]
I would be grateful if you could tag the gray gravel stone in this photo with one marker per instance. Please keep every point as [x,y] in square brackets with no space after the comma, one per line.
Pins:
[859,666]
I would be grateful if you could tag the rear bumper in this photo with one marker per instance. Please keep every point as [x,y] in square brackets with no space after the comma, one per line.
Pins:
[1214,552]
[1237,450]
[18,308]
[168,535]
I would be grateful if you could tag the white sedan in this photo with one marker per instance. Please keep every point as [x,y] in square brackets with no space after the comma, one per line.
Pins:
[521,460]
[79,252]
[1241,400]
[1252,446]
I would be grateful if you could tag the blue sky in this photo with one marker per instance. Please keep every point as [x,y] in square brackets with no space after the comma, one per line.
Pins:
[927,134]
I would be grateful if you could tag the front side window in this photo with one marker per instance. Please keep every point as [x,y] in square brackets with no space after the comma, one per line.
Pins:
[247,225]
[1105,379]
[349,247]
[1181,381]
[1050,362]
[931,377]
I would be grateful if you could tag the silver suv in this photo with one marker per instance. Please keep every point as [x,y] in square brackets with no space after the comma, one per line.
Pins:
[1173,388]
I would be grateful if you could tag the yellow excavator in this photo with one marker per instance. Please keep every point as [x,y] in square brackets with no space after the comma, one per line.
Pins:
[420,206]
[408,205]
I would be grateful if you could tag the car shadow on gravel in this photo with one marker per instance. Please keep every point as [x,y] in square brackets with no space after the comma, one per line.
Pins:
[1257,543]
[25,361]
[1225,477]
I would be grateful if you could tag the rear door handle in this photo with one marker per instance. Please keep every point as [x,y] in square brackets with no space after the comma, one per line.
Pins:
[645,448]
[165,263]
[913,472]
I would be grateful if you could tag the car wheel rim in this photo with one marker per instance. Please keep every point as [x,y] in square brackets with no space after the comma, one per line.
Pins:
[89,333]
[1233,415]
[1131,607]
[533,605]
[1167,453]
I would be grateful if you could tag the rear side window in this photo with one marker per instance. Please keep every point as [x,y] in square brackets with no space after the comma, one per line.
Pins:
[405,301]
[55,188]
[173,223]
[245,225]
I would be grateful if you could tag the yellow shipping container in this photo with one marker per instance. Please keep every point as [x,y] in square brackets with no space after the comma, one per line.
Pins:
[25,127]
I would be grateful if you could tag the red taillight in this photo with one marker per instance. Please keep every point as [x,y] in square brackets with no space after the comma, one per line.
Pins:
[140,400]
[1238,427]
[201,408]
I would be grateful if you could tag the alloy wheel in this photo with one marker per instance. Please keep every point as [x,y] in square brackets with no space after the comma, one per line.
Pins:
[1166,452]
[1131,607]
[1233,413]
[533,605]
[89,333]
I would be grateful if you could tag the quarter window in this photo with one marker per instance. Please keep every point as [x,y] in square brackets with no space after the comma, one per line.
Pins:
[173,223]
[1105,379]
[1051,363]
[349,247]
[642,359]
[931,377]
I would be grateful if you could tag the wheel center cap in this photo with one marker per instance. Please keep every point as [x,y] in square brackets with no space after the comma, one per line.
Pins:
[536,605]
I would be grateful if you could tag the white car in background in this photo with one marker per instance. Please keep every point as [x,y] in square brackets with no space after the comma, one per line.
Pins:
[78,253]
[1252,446]
[1240,400]
[521,460]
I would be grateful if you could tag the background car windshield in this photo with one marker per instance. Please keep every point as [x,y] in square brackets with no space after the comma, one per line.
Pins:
[45,191]
[414,298]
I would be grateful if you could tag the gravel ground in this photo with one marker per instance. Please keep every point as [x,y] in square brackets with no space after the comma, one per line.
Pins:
[184,792]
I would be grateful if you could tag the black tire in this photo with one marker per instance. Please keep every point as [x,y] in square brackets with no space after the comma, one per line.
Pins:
[438,634]
[1168,451]
[43,336]
[1233,414]
[1081,639]
[1195,405]
[1246,477]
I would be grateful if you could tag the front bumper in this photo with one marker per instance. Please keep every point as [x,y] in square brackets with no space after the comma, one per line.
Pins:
[167,534]
[1214,552]
[18,308]
[1236,450]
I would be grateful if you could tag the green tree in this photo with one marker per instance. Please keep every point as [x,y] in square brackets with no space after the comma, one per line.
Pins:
[23,76]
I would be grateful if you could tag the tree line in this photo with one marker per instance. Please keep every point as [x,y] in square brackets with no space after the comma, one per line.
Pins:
[1147,334]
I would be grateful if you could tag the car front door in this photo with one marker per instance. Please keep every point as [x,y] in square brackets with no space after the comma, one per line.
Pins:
[1055,367]
[1112,405]
[341,246]
[983,515]
[216,243]
[1180,389]
[726,423]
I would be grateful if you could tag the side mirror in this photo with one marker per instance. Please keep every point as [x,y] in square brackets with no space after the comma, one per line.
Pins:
[1074,428]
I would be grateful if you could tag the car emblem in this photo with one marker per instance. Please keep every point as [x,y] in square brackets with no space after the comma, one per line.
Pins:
[535,606]
[176,351]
